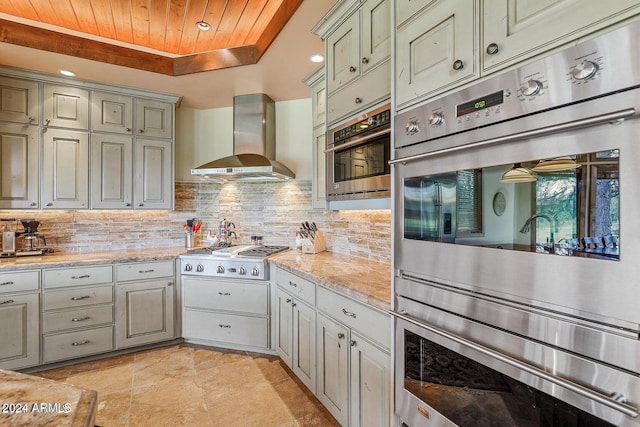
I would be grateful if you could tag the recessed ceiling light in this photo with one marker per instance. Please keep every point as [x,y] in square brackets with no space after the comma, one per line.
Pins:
[316,58]
[203,26]
[67,73]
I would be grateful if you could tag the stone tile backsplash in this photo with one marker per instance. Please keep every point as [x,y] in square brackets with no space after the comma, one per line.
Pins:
[273,210]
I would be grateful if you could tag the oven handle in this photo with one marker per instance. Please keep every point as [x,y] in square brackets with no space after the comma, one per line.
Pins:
[386,131]
[562,127]
[616,401]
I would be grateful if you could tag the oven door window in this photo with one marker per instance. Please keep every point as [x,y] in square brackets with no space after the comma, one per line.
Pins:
[471,394]
[362,161]
[568,206]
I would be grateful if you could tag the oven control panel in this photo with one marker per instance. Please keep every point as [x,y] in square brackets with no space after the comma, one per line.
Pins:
[569,76]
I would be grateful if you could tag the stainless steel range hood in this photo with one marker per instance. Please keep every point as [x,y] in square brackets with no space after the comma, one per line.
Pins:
[254,144]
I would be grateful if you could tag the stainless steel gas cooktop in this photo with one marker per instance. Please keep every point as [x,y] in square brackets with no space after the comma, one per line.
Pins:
[240,262]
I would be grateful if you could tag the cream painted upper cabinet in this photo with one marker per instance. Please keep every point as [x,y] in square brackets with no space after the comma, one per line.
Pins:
[513,31]
[361,42]
[111,171]
[111,113]
[65,169]
[435,49]
[19,166]
[154,119]
[19,101]
[66,107]
[152,174]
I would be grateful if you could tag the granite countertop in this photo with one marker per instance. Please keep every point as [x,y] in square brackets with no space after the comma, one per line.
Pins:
[361,279]
[72,259]
[28,400]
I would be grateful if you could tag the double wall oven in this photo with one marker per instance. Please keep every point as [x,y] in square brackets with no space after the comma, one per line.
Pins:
[516,295]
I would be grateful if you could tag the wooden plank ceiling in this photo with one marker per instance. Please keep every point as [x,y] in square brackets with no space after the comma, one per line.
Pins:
[153,35]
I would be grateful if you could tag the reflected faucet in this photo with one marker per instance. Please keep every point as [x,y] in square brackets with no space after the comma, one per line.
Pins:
[554,227]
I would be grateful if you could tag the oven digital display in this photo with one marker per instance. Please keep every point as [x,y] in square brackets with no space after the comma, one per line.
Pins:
[478,104]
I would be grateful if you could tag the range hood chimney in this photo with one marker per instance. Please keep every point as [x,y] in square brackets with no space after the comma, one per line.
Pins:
[254,144]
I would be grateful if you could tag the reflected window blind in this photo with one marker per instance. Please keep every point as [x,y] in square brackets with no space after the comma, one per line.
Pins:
[469,201]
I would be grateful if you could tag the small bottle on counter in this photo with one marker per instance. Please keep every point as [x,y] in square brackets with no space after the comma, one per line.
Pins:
[298,241]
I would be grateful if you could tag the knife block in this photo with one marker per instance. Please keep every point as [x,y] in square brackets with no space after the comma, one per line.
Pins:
[314,245]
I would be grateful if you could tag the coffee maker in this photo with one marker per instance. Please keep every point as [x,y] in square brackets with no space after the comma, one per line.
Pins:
[23,243]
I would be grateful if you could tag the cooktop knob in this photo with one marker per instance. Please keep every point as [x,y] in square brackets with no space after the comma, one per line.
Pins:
[242,271]
[436,119]
[412,126]
[255,271]
[584,70]
[532,87]
[200,268]
[188,267]
[220,269]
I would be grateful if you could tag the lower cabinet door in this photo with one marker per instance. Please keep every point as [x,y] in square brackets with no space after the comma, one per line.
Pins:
[304,344]
[144,312]
[333,363]
[284,327]
[370,384]
[19,333]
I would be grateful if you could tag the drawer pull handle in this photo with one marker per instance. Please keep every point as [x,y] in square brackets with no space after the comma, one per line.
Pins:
[80,319]
[224,293]
[77,343]
[348,313]
[9,301]
[80,298]
[6,283]
[146,271]
[84,276]
[295,285]
[224,326]
[340,336]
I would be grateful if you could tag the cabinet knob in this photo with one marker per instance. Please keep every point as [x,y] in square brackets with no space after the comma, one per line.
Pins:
[141,204]
[127,205]
[127,129]
[492,49]
[352,69]
[50,204]
[293,304]
[340,336]
[9,301]
[288,300]
[365,60]
[458,65]
[358,100]
[32,204]
[169,283]
[47,121]
[31,119]
[140,130]
[353,343]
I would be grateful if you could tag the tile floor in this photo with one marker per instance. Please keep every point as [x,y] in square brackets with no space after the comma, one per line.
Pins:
[187,385]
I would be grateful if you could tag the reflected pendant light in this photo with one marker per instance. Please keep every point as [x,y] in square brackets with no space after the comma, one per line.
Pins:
[517,174]
[556,164]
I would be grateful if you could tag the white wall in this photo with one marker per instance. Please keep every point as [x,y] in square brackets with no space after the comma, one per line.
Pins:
[206,135]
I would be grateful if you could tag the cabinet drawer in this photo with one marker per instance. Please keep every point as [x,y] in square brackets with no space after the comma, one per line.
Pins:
[78,297]
[19,281]
[144,270]
[370,89]
[297,286]
[226,295]
[372,323]
[77,318]
[71,345]
[226,328]
[62,277]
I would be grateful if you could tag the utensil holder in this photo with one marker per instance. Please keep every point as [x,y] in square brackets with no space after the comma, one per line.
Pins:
[189,239]
[313,245]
